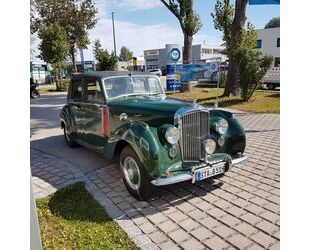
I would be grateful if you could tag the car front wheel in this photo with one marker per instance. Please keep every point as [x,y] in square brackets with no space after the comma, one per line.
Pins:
[135,177]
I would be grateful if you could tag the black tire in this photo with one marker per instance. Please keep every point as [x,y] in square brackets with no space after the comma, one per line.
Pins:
[35,94]
[144,190]
[270,86]
[68,138]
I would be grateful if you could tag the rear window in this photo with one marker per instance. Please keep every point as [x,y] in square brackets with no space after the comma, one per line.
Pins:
[93,91]
[77,89]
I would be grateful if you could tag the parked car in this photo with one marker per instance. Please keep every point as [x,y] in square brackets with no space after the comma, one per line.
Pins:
[156,140]
[156,72]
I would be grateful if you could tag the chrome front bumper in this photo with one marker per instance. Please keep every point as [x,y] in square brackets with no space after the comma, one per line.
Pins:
[186,177]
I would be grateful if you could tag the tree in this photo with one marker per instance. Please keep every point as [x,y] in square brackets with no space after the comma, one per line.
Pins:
[125,54]
[76,17]
[232,25]
[189,21]
[105,60]
[251,64]
[273,23]
[54,47]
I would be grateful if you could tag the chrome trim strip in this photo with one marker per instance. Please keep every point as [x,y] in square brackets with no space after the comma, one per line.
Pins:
[239,160]
[171,180]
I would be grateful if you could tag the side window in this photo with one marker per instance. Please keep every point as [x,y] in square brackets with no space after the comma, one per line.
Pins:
[259,43]
[93,91]
[77,89]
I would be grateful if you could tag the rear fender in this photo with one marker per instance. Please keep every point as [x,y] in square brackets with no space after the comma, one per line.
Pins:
[66,118]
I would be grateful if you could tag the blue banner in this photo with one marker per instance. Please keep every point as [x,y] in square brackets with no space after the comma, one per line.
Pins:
[261,2]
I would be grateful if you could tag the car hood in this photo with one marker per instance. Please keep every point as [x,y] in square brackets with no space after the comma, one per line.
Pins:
[153,110]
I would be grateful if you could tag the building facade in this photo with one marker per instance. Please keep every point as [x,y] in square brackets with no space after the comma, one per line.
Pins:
[268,42]
[159,58]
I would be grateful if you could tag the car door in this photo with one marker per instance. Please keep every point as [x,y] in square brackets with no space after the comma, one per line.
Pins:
[75,105]
[94,114]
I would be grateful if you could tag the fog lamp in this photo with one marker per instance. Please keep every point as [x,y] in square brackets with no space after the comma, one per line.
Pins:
[210,146]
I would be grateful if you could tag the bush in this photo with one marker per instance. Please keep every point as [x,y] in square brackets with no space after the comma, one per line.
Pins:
[63,84]
[223,78]
[252,66]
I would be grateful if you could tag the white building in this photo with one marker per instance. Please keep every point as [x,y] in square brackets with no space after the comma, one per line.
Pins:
[268,42]
[135,64]
[157,58]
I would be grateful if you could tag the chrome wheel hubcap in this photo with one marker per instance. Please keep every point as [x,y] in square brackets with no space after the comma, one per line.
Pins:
[132,173]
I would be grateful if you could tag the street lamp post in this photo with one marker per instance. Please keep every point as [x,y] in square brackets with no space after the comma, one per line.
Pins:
[113,33]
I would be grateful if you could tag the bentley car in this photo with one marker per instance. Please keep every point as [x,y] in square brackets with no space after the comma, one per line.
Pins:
[155,139]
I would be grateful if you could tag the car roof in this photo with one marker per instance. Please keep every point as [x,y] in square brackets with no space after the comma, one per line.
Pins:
[108,73]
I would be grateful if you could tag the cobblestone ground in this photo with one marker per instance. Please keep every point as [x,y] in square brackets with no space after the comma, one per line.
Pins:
[240,210]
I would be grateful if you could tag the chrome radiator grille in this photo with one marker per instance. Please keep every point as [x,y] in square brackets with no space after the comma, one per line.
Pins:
[194,127]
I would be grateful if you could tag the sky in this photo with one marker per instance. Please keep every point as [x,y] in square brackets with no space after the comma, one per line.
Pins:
[148,24]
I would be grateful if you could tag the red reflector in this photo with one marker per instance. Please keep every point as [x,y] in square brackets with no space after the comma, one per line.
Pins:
[105,122]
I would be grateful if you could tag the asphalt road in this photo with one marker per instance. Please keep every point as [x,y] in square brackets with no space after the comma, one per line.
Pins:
[47,136]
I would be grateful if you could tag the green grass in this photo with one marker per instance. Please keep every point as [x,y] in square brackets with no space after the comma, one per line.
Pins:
[72,219]
[261,101]
[46,90]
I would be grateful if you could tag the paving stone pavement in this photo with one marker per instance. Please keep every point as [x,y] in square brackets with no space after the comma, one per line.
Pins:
[240,210]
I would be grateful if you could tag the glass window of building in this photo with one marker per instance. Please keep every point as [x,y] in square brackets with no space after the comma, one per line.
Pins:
[259,43]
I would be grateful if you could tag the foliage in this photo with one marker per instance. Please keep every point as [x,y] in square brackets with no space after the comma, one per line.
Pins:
[189,21]
[223,78]
[231,21]
[54,46]
[125,54]
[222,19]
[261,101]
[63,84]
[251,64]
[72,219]
[105,60]
[273,23]
[75,17]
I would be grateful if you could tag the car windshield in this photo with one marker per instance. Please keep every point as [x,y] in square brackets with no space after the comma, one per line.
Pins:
[135,85]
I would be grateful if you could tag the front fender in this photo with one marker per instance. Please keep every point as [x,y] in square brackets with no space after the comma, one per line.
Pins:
[142,139]
[235,140]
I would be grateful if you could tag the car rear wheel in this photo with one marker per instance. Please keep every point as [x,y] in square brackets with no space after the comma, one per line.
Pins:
[135,177]
[69,141]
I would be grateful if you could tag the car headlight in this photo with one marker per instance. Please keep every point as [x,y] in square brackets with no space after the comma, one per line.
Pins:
[172,135]
[221,126]
[210,146]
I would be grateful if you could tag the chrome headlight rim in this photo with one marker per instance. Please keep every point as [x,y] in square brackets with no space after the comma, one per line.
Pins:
[221,126]
[172,135]
[209,146]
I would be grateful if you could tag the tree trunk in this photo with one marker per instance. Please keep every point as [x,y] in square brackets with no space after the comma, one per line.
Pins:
[239,19]
[187,53]
[72,54]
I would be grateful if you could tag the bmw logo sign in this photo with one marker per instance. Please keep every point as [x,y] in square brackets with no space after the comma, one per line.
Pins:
[175,54]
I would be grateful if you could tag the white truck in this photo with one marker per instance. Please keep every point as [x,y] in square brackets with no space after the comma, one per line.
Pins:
[272,78]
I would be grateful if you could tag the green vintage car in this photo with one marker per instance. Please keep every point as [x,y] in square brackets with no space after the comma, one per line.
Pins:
[156,140]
